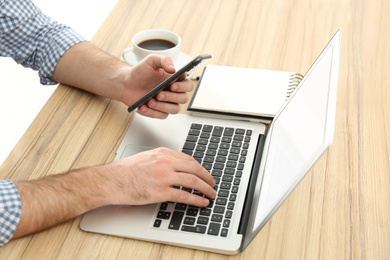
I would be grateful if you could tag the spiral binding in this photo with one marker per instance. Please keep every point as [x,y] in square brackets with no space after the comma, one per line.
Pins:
[293,83]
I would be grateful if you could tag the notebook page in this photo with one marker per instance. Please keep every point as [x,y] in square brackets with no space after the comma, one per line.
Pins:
[242,90]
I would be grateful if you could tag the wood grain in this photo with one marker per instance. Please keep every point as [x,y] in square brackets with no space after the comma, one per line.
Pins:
[339,211]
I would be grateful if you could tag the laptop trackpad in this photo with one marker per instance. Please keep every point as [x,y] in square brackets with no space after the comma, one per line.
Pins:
[132,149]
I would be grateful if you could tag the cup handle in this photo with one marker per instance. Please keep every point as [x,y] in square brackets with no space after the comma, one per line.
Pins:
[125,51]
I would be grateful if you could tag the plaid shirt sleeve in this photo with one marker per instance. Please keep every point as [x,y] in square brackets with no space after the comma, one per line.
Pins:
[33,39]
[10,210]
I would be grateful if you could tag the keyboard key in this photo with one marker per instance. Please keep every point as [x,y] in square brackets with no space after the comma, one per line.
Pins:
[228,131]
[221,201]
[215,139]
[176,219]
[189,152]
[196,126]
[224,146]
[216,173]
[233,157]
[192,212]
[231,164]
[216,218]
[189,221]
[157,223]
[200,148]
[230,206]
[203,141]
[240,131]
[240,166]
[224,232]
[236,144]
[189,146]
[235,150]
[217,131]
[226,223]
[205,135]
[203,220]
[220,159]
[225,185]
[226,139]
[207,128]
[192,138]
[205,212]
[197,229]
[219,209]
[229,214]
[223,193]
[181,206]
[163,214]
[238,138]
[208,159]
[198,154]
[229,171]
[164,206]
[207,166]
[223,152]
[214,229]
[228,178]
[194,132]
[211,152]
[212,146]
[219,166]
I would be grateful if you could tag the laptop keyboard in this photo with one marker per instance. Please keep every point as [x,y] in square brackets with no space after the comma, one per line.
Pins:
[222,151]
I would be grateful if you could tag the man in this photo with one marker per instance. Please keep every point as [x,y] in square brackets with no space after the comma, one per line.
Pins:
[61,55]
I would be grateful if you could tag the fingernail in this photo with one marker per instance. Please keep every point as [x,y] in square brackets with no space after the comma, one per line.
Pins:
[152,103]
[162,97]
[175,87]
[142,108]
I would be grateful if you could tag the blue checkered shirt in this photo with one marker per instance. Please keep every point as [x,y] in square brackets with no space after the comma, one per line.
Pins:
[33,39]
[10,209]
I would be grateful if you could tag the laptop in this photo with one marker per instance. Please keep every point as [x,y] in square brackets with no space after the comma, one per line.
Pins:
[255,167]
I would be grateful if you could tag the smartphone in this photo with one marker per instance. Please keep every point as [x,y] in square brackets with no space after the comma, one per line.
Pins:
[179,75]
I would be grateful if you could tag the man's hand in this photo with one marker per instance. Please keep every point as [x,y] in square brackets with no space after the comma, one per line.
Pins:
[149,177]
[145,76]
[87,67]
[144,178]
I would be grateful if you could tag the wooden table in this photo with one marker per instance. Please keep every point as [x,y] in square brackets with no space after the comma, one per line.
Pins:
[341,210]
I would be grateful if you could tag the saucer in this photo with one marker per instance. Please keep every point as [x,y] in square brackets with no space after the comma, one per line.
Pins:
[181,60]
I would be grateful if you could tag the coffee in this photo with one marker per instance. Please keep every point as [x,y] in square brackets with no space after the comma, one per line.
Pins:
[156,44]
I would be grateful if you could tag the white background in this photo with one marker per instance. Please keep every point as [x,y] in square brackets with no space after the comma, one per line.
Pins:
[21,94]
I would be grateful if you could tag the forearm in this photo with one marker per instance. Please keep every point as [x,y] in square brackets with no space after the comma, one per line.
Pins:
[56,199]
[87,67]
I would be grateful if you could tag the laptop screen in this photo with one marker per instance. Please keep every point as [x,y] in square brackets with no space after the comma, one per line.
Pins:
[297,137]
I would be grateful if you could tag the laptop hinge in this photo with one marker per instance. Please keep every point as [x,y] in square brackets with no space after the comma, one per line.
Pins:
[252,185]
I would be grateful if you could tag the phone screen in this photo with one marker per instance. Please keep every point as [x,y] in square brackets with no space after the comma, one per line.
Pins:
[179,75]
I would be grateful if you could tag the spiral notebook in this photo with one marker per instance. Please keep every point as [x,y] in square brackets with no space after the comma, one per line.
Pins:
[256,94]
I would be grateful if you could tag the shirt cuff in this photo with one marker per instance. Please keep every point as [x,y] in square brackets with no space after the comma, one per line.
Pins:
[59,41]
[10,210]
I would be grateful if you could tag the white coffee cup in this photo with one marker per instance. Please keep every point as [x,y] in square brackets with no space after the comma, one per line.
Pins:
[153,41]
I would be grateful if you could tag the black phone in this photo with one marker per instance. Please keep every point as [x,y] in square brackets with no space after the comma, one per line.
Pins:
[179,75]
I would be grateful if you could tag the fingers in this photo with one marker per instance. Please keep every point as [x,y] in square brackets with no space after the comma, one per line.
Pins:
[185,197]
[168,101]
[163,62]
